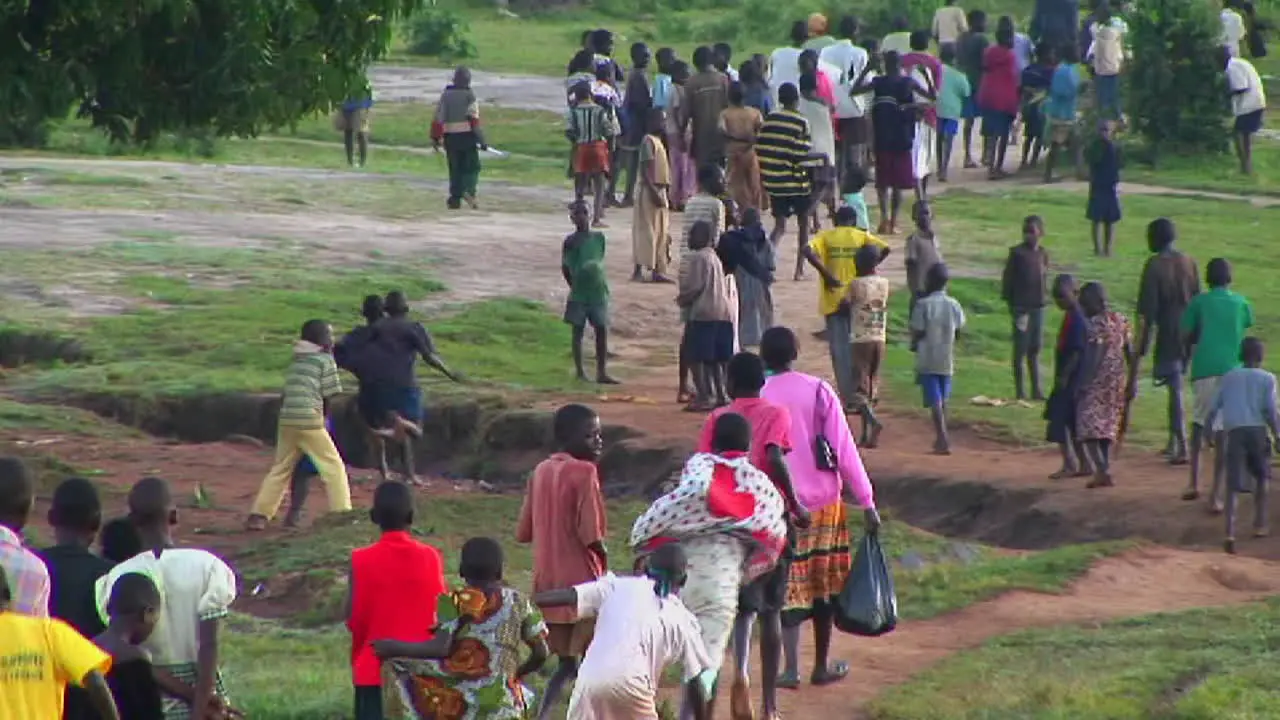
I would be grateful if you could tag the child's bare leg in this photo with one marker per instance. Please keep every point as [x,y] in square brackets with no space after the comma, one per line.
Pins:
[967,137]
[740,692]
[882,197]
[349,144]
[1197,440]
[779,230]
[1108,230]
[1101,464]
[362,141]
[566,672]
[598,183]
[701,385]
[790,676]
[944,156]
[578,332]
[942,441]
[1097,238]
[1219,470]
[299,484]
[581,182]
[802,241]
[407,455]
[718,371]
[683,393]
[1177,425]
[602,356]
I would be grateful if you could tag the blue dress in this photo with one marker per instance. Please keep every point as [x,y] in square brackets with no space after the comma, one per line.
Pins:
[1104,181]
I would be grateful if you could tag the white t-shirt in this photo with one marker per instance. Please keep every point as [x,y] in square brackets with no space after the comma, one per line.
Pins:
[784,67]
[1107,53]
[1241,75]
[850,60]
[1233,30]
[949,23]
[637,634]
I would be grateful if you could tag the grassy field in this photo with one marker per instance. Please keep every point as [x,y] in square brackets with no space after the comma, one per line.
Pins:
[1200,665]
[279,672]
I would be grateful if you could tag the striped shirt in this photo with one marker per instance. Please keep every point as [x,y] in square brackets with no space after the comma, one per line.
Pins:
[588,122]
[783,147]
[310,380]
[26,573]
[702,208]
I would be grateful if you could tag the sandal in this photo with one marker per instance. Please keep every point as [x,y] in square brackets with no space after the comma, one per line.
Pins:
[834,673]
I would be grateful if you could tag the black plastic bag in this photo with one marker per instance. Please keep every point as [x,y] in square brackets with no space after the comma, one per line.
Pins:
[867,604]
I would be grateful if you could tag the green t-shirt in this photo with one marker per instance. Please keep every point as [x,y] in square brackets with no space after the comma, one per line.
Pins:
[1218,319]
[585,261]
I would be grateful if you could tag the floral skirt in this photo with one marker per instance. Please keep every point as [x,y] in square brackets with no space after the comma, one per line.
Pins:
[423,691]
[820,563]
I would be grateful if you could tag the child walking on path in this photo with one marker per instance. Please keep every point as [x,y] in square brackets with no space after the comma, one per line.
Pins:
[582,264]
[1104,182]
[868,299]
[310,383]
[134,610]
[457,126]
[1103,389]
[953,95]
[1068,360]
[392,589]
[563,515]
[1025,285]
[1246,403]
[936,322]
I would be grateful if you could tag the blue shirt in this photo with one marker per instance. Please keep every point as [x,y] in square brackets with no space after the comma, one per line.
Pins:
[1022,51]
[353,104]
[858,202]
[1246,397]
[1064,90]
[662,90]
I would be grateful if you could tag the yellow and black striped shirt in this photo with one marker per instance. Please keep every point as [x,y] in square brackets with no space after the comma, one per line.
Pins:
[782,148]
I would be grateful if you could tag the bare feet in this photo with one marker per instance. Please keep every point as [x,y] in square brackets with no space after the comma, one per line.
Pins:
[1190,495]
[1100,479]
[255,523]
[604,379]
[873,437]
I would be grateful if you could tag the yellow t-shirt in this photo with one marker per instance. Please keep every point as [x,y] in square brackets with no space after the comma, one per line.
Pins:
[38,658]
[837,248]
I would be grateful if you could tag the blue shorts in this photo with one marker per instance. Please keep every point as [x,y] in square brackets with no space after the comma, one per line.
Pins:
[969,110]
[377,400]
[948,126]
[935,389]
[708,341]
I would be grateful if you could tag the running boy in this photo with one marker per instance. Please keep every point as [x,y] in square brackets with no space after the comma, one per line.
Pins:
[590,127]
[704,301]
[953,95]
[582,264]
[1025,293]
[563,516]
[310,383]
[392,589]
[134,610]
[868,299]
[1246,404]
[935,326]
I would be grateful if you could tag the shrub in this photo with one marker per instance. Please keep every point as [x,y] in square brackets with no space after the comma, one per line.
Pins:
[440,32]
[1177,93]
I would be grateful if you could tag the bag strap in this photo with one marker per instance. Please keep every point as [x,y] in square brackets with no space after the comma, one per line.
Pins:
[819,417]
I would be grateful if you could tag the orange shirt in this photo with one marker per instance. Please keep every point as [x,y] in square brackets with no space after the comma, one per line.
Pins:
[563,513]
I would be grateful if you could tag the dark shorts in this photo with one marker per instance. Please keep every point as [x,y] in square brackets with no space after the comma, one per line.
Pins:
[580,314]
[894,170]
[1249,123]
[708,341]
[785,206]
[996,123]
[853,131]
[1108,89]
[1060,412]
[1027,329]
[949,127]
[1248,458]
[767,593]
[376,401]
[368,702]
[934,389]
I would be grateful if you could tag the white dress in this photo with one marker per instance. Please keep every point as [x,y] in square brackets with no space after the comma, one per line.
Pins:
[821,134]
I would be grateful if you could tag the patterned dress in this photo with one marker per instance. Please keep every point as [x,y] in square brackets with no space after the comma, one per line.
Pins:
[478,680]
[1102,399]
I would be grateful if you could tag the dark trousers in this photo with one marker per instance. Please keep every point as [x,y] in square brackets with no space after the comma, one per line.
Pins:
[369,703]
[463,157]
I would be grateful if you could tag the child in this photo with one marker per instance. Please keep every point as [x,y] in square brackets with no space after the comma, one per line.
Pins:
[590,128]
[197,590]
[703,299]
[642,629]
[134,610]
[922,252]
[953,95]
[969,52]
[935,325]
[1036,81]
[664,59]
[748,251]
[473,663]
[28,576]
[678,139]
[1024,289]
[57,656]
[949,24]
[706,206]
[457,126]
[1104,181]
[636,103]
[1068,359]
[119,541]
[851,186]
[392,589]
[1213,327]
[563,516]
[310,383]
[1248,103]
[868,299]
[582,265]
[651,219]
[1246,402]
[1106,57]
[998,98]
[1060,109]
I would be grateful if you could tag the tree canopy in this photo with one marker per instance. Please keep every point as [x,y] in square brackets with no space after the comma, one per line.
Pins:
[139,68]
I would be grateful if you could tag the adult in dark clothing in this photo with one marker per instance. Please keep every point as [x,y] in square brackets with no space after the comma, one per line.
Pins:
[1054,22]
[1060,410]
[708,93]
[636,103]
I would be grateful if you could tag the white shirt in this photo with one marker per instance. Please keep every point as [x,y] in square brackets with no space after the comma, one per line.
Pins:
[1232,31]
[1107,51]
[784,67]
[821,134]
[949,23]
[637,634]
[1241,75]
[850,60]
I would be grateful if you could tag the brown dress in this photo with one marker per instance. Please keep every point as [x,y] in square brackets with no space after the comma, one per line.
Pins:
[708,96]
[1102,397]
[739,124]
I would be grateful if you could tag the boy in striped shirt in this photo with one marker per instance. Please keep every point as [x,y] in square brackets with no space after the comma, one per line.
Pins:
[590,127]
[310,383]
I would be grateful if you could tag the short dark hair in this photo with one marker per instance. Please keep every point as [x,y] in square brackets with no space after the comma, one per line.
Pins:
[1063,283]
[600,40]
[808,55]
[1252,350]
[748,72]
[708,175]
[396,303]
[76,505]
[702,231]
[855,178]
[920,40]
[315,331]
[808,83]
[702,56]
[392,506]
[745,371]
[1093,294]
[731,432]
[119,540]
[936,278]
[1032,221]
[150,501]
[569,421]
[848,26]
[947,53]
[371,309]
[799,31]
[788,94]
[133,593]
[604,71]
[17,489]
[779,347]
[977,21]
[481,561]
[1161,233]
[735,92]
[867,258]
[582,61]
[723,50]
[846,217]
[1217,273]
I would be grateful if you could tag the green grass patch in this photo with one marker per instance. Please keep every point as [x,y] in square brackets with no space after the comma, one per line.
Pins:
[1216,664]
[17,417]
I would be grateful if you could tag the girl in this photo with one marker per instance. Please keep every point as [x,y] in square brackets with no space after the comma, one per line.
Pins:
[1104,179]
[740,125]
[651,218]
[1102,381]
[1060,408]
[134,608]
[472,667]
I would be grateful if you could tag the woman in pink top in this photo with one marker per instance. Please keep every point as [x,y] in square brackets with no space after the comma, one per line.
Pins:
[820,557]
[998,98]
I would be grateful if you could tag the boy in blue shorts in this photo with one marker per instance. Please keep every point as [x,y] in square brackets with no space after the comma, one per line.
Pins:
[953,95]
[935,323]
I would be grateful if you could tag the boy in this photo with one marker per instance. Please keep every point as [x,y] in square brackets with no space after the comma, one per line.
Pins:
[935,325]
[709,331]
[1037,78]
[636,103]
[310,383]
[582,265]
[1213,327]
[764,596]
[1060,110]
[949,24]
[1169,281]
[969,51]
[392,587]
[1248,101]
[706,205]
[1246,403]
[832,254]
[39,656]
[28,576]
[1025,292]
[563,516]
[642,628]
[134,610]
[953,95]
[590,127]
[868,300]
[922,252]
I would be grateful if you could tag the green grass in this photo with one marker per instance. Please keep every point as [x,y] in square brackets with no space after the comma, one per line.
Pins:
[1214,664]
[975,231]
[19,418]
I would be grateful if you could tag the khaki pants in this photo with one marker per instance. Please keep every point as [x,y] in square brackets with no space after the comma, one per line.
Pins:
[291,444]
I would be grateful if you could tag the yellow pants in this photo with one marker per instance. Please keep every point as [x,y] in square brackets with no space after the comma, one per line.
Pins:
[291,444]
